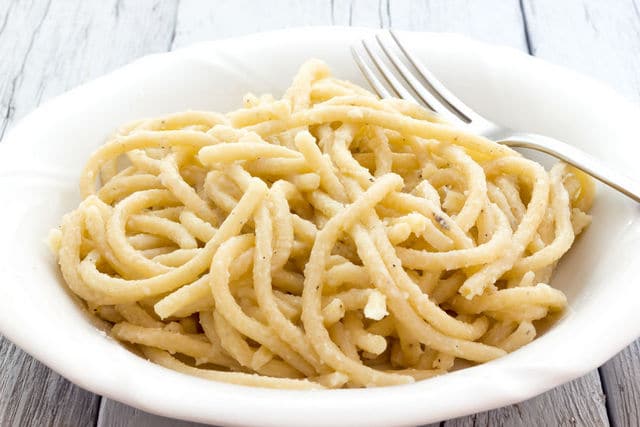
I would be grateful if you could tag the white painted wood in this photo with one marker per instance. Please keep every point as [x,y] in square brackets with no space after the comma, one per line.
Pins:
[78,41]
[493,21]
[201,20]
[601,39]
[22,19]
[361,13]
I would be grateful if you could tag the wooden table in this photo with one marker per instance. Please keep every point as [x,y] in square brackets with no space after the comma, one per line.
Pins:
[48,47]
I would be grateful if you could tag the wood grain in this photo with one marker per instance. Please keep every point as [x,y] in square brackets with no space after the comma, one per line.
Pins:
[598,38]
[200,20]
[361,13]
[493,21]
[621,382]
[78,41]
[115,414]
[578,403]
[33,395]
[18,18]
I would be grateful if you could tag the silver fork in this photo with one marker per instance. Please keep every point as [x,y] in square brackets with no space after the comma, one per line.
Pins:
[434,95]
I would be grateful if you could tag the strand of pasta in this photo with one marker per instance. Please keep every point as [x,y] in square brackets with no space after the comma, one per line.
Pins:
[424,305]
[124,290]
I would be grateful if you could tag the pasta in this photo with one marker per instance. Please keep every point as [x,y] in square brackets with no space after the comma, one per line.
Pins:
[327,239]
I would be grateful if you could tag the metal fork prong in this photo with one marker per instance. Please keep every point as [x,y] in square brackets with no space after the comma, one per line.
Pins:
[368,74]
[393,82]
[423,93]
[454,102]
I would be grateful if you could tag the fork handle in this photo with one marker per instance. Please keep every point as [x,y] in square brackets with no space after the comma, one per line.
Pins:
[577,158]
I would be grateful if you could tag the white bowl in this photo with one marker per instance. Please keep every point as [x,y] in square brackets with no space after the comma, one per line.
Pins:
[42,156]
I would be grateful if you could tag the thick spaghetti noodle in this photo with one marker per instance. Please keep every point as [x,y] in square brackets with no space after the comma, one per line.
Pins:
[327,239]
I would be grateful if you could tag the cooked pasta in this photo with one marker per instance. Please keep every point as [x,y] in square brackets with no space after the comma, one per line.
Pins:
[327,239]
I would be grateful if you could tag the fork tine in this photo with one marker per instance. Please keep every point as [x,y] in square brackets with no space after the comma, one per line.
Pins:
[368,74]
[427,97]
[393,82]
[454,102]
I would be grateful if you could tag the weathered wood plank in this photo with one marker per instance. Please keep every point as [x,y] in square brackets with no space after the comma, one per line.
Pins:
[49,47]
[78,41]
[115,414]
[603,41]
[493,21]
[578,403]
[32,394]
[621,382]
[598,38]
[361,13]
[19,25]
[201,20]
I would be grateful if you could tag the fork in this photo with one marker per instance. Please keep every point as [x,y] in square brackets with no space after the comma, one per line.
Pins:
[434,95]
